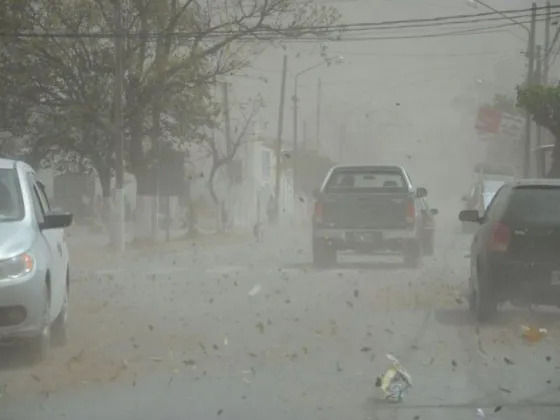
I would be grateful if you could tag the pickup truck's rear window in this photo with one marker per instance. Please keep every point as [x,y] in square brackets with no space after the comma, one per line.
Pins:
[366,179]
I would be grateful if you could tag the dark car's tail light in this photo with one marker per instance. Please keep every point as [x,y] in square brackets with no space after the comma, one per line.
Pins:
[318,212]
[500,238]
[410,212]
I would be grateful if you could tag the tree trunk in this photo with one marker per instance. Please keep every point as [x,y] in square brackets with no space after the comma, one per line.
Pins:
[144,182]
[554,171]
[106,210]
[156,142]
[191,212]
[214,197]
[144,199]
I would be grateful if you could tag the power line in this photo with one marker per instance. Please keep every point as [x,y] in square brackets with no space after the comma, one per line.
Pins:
[487,16]
[293,31]
[374,27]
[437,72]
[471,31]
[470,54]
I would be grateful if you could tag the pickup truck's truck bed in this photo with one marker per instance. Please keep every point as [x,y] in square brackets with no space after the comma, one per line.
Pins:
[366,209]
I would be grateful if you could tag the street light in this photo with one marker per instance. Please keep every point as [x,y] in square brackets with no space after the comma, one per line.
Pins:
[328,61]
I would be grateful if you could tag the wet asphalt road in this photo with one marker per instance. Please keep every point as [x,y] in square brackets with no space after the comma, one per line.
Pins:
[180,337]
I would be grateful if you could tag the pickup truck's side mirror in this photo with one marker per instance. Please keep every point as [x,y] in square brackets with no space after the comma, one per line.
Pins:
[421,192]
[316,193]
[470,216]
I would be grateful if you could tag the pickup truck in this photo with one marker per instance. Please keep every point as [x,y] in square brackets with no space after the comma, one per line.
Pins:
[367,208]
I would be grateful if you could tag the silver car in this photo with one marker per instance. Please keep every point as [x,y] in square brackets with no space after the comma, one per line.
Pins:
[34,263]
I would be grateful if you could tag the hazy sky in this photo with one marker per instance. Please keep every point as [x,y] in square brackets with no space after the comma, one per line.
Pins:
[392,95]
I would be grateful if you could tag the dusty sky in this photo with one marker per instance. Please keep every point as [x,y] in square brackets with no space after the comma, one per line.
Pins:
[396,97]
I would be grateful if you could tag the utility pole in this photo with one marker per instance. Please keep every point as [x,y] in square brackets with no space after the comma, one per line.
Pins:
[538,77]
[227,121]
[229,148]
[318,120]
[546,55]
[119,214]
[304,135]
[295,154]
[530,81]
[341,143]
[279,139]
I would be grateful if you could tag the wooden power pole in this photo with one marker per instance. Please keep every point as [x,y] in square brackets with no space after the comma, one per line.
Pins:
[119,213]
[279,139]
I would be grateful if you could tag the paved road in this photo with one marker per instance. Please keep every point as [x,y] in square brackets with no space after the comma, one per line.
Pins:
[182,338]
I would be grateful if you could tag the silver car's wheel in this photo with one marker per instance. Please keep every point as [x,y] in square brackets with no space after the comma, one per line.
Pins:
[59,329]
[40,344]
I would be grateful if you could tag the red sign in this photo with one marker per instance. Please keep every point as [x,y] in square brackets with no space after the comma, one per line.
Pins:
[488,120]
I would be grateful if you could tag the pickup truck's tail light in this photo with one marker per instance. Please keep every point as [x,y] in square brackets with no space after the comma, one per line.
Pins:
[410,212]
[318,212]
[428,221]
[500,238]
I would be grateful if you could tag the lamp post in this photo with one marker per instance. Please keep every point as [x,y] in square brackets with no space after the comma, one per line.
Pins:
[327,61]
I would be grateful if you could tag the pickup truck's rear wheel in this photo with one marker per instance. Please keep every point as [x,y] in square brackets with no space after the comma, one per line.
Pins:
[324,254]
[428,244]
[412,254]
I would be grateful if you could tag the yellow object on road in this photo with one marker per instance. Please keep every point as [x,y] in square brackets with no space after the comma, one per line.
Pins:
[395,381]
[533,334]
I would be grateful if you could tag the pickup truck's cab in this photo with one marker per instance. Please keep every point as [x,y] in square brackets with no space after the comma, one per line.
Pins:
[367,208]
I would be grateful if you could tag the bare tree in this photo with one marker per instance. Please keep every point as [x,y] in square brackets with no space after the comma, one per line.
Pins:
[221,158]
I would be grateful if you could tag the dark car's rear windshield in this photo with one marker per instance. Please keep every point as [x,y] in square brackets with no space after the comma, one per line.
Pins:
[366,180]
[535,204]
